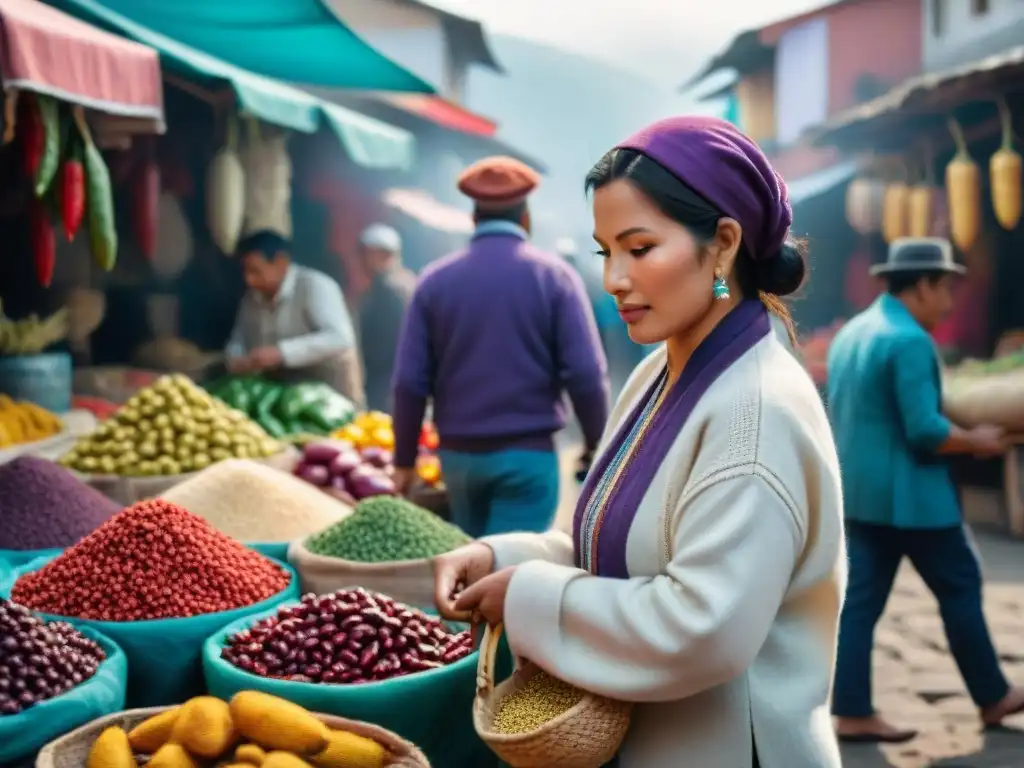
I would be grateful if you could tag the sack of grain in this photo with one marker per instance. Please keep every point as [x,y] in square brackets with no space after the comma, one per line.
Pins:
[408,581]
[386,546]
[253,502]
[995,398]
[128,490]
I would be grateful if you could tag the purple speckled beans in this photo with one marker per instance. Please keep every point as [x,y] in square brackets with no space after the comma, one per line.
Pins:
[351,636]
[44,506]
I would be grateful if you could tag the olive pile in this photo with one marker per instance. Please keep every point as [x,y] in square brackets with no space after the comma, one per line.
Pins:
[387,529]
[169,428]
[541,699]
[39,661]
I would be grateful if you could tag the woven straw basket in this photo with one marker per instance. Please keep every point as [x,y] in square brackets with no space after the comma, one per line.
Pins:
[72,749]
[586,736]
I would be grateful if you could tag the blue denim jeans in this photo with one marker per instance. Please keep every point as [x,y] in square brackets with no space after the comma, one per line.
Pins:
[948,563]
[503,491]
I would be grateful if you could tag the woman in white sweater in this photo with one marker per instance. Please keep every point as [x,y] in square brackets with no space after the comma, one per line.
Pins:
[703,575]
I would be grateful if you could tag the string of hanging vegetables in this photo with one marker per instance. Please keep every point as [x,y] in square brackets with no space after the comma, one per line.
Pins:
[920,202]
[225,192]
[963,191]
[895,204]
[69,179]
[99,199]
[1005,174]
[864,197]
[146,201]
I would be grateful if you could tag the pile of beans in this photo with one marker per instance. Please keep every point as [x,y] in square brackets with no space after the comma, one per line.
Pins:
[153,560]
[351,636]
[250,501]
[39,661]
[43,506]
[541,699]
[388,529]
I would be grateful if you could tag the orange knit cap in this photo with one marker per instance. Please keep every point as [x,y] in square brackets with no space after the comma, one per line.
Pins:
[498,182]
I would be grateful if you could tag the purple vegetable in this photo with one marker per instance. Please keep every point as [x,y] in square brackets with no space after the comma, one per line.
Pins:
[323,451]
[344,463]
[314,473]
[378,457]
[373,482]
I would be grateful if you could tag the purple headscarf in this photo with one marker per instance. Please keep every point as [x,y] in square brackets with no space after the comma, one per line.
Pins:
[727,169]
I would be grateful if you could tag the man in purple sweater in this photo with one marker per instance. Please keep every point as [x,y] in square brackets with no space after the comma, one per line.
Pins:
[496,335]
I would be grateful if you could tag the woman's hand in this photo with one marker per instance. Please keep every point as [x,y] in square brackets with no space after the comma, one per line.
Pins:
[454,572]
[486,598]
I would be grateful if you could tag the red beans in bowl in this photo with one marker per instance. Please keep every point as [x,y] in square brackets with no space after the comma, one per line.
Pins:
[351,636]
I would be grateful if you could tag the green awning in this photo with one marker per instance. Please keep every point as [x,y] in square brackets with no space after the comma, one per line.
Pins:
[371,143]
[295,41]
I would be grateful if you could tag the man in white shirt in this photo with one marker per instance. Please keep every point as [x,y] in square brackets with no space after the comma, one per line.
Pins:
[382,310]
[292,323]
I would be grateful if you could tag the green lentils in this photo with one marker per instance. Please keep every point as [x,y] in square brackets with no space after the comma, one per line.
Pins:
[541,699]
[384,529]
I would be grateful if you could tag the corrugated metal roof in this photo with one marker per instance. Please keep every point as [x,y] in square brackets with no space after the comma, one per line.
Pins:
[918,91]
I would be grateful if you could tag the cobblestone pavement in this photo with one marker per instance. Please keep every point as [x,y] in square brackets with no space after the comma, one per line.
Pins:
[916,682]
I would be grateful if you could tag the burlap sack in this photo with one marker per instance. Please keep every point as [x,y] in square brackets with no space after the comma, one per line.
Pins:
[407,581]
[129,490]
[996,398]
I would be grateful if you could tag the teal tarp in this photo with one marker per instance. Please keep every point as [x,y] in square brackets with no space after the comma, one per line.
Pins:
[295,41]
[370,142]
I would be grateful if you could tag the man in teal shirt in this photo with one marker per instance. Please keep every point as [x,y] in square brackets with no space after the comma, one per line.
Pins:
[885,403]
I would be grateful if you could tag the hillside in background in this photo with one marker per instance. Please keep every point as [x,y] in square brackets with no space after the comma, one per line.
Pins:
[566,110]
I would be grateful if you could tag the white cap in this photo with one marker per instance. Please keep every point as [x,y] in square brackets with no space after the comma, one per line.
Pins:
[566,246]
[382,237]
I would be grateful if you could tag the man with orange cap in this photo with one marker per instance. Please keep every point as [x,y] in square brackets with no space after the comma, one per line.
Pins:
[495,336]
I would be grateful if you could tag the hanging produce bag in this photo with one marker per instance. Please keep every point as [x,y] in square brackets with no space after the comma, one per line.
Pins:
[102,694]
[990,398]
[164,665]
[432,709]
[408,581]
[225,193]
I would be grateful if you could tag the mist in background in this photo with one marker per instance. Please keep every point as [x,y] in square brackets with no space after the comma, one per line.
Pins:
[584,75]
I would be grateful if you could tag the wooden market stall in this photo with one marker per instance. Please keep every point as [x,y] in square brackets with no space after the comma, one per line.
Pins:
[939,158]
[71,92]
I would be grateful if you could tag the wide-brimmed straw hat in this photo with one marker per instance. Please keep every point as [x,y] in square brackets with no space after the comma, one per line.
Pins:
[919,254]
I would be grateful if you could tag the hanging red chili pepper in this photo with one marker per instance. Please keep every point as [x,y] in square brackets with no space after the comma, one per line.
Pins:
[72,187]
[33,134]
[146,199]
[44,242]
